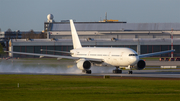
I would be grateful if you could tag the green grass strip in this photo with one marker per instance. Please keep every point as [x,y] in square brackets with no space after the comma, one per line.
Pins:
[86,88]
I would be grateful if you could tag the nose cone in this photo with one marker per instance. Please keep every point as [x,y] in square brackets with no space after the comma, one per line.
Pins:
[133,60]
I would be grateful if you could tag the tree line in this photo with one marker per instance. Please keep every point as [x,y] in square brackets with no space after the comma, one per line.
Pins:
[24,35]
[32,35]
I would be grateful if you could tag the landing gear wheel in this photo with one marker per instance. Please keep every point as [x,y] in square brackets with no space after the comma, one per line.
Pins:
[117,71]
[86,71]
[130,72]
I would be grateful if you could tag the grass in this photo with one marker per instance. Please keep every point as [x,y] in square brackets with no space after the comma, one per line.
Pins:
[87,88]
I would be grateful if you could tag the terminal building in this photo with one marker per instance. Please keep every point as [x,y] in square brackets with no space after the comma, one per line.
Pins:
[142,37]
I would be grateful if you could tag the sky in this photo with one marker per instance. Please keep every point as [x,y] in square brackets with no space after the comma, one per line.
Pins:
[25,15]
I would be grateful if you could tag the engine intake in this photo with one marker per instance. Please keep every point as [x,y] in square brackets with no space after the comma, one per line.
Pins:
[84,65]
[140,65]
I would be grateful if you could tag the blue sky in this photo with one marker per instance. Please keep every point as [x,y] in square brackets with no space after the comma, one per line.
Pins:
[25,15]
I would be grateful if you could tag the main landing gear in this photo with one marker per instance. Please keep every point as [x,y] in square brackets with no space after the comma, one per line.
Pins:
[117,70]
[86,71]
[130,71]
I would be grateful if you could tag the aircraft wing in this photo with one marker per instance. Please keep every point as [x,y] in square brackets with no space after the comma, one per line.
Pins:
[57,56]
[45,55]
[56,51]
[94,60]
[156,53]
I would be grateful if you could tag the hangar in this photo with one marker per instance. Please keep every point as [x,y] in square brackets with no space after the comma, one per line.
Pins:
[142,37]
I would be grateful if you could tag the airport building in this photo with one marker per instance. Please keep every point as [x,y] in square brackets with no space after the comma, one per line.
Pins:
[142,37]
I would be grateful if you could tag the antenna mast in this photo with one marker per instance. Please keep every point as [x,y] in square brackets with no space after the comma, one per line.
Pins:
[106,17]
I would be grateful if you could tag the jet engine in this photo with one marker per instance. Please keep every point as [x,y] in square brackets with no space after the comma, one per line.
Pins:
[83,64]
[140,65]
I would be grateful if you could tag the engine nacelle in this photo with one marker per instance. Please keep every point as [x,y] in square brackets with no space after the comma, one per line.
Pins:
[140,65]
[83,64]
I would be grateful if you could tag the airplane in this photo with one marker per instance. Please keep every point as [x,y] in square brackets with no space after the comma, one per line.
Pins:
[100,56]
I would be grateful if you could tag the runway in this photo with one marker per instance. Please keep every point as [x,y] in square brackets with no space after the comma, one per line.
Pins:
[168,73]
[68,68]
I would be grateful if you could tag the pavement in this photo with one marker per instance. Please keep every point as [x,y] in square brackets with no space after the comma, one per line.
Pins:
[68,68]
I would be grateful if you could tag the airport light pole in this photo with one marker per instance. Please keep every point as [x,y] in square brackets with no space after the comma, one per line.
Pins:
[172,42]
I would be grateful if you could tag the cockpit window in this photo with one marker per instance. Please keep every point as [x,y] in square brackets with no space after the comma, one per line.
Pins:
[133,54]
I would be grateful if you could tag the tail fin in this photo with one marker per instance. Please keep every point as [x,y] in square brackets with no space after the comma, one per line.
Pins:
[75,38]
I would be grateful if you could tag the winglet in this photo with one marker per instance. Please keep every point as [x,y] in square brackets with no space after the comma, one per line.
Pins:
[75,38]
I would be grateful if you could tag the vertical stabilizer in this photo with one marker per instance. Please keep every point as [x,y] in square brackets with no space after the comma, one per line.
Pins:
[75,38]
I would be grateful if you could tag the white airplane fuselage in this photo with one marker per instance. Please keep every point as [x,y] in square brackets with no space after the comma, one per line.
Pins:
[106,56]
[112,56]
